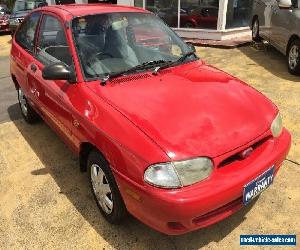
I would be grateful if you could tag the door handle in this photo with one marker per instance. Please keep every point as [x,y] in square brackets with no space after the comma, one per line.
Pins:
[33,68]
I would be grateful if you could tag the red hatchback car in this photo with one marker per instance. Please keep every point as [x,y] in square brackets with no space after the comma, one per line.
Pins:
[175,142]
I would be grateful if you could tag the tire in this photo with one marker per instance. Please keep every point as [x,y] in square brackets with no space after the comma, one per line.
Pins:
[255,30]
[189,25]
[105,189]
[293,57]
[28,113]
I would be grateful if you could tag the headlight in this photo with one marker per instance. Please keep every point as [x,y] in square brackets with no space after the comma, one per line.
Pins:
[178,174]
[276,126]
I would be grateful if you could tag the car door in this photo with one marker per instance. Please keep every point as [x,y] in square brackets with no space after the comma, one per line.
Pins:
[23,50]
[52,96]
[280,25]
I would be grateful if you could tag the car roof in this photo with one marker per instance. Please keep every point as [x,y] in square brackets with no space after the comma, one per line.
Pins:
[88,9]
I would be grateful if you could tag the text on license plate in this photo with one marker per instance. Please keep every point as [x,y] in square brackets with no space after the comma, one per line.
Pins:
[256,186]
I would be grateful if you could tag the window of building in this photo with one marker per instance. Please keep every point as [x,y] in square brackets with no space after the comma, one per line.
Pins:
[138,3]
[167,10]
[238,13]
[200,14]
[103,1]
[59,2]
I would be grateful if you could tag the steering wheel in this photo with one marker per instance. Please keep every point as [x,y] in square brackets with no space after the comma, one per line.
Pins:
[102,55]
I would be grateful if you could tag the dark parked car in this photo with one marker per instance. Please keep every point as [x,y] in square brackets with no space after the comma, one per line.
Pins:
[4,15]
[21,9]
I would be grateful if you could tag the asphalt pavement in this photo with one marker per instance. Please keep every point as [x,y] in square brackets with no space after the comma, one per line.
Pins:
[8,98]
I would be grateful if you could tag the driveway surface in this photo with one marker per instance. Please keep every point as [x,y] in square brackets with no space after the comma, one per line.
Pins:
[46,202]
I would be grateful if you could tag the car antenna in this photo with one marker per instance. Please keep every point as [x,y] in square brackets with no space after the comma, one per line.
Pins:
[155,71]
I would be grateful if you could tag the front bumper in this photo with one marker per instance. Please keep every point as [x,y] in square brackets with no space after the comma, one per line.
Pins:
[4,27]
[182,210]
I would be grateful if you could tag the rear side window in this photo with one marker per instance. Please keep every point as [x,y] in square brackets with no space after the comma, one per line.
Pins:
[52,46]
[26,33]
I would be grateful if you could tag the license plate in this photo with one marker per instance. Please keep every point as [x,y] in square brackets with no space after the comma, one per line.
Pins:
[258,185]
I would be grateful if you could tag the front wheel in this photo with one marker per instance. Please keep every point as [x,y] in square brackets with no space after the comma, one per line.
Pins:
[189,25]
[293,57]
[28,113]
[255,30]
[105,189]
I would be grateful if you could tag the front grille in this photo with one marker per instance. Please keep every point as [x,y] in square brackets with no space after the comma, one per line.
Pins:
[237,157]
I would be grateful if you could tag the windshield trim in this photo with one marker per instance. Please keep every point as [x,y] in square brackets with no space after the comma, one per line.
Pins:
[98,78]
[145,71]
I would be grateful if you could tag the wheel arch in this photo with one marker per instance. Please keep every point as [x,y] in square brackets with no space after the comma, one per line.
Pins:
[85,149]
[14,79]
[292,38]
[253,19]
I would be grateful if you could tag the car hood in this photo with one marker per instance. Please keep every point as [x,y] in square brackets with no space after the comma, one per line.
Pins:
[191,110]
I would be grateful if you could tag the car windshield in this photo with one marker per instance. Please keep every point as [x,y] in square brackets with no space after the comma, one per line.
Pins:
[25,5]
[108,44]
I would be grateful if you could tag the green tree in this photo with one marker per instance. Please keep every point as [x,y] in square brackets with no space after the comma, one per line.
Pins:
[9,3]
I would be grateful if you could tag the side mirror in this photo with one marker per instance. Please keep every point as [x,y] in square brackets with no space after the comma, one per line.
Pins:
[58,71]
[285,4]
[191,46]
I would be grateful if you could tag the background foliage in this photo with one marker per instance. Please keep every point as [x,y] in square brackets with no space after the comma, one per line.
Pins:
[9,3]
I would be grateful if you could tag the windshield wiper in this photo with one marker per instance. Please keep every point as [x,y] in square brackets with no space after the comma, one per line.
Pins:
[143,66]
[160,64]
[185,56]
[180,60]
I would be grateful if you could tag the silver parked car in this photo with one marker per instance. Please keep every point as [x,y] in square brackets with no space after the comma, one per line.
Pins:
[278,21]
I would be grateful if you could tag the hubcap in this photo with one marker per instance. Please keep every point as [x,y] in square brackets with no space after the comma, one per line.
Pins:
[255,29]
[294,56]
[23,102]
[101,189]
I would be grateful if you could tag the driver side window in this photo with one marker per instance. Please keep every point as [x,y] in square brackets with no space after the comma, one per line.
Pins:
[52,46]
